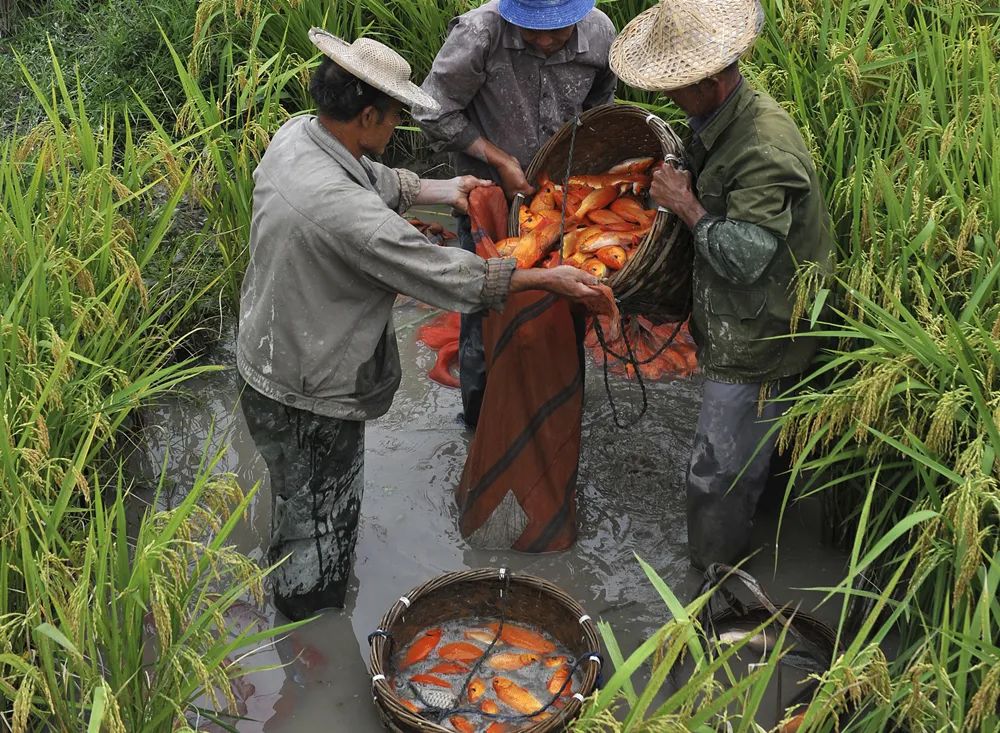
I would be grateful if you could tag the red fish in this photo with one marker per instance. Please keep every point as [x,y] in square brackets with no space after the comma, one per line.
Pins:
[555,661]
[629,209]
[597,199]
[524,638]
[613,239]
[482,635]
[420,648]
[461,724]
[595,267]
[532,247]
[429,679]
[610,179]
[460,651]
[411,706]
[604,216]
[497,727]
[614,257]
[515,696]
[476,689]
[448,668]
[512,661]
[557,680]
[633,165]
[489,707]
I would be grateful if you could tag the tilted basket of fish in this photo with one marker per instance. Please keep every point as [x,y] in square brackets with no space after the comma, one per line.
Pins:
[600,217]
[483,651]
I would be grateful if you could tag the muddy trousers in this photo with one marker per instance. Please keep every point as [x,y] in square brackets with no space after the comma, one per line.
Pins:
[729,469]
[316,467]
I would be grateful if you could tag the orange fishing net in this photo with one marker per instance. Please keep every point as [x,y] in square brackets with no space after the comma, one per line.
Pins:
[649,344]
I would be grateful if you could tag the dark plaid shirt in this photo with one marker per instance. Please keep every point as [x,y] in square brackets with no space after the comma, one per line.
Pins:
[491,84]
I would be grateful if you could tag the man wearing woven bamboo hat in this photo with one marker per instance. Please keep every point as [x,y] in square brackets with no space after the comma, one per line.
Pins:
[509,75]
[329,252]
[753,203]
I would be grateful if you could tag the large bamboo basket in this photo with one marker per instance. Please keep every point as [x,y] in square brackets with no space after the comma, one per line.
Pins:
[657,279]
[476,594]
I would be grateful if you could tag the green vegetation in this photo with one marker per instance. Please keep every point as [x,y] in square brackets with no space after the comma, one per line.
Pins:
[125,214]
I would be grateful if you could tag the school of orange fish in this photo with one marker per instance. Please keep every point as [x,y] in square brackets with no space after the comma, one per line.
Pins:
[605,219]
[518,677]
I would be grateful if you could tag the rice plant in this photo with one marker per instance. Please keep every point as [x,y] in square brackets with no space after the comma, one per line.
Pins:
[104,624]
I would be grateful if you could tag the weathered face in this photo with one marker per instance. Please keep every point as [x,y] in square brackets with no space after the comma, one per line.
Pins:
[697,99]
[377,127]
[547,42]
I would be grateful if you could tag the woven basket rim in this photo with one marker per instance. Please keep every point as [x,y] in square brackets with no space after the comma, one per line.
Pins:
[386,699]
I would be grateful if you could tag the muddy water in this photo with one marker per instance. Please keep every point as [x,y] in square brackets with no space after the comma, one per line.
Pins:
[631,502]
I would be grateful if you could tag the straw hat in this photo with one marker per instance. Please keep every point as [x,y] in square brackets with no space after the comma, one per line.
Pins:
[374,63]
[680,42]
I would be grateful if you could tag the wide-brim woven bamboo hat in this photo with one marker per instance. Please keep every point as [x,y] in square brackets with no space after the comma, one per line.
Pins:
[680,42]
[374,63]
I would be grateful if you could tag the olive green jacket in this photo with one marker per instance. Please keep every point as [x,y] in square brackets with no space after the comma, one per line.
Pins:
[752,167]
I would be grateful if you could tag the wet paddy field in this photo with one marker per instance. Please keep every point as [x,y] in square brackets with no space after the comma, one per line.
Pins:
[631,501]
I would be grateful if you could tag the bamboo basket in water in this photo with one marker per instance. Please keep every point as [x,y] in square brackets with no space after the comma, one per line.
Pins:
[656,281]
[477,594]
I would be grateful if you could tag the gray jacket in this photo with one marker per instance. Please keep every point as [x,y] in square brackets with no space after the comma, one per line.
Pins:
[329,252]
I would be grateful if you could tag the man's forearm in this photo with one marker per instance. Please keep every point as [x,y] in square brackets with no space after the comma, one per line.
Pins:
[482,149]
[436,191]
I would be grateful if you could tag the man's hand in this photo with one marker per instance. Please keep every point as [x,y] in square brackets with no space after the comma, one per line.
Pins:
[463,187]
[567,281]
[672,189]
[512,179]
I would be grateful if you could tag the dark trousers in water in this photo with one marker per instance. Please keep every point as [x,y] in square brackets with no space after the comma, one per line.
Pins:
[316,466]
[729,468]
[472,354]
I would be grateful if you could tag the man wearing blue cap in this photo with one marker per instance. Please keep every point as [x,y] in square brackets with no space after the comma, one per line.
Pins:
[509,75]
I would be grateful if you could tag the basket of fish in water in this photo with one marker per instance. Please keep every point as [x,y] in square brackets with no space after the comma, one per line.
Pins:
[483,651]
[599,217]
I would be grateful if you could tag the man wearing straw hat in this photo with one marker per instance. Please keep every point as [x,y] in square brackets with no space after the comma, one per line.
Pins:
[329,252]
[509,75]
[754,206]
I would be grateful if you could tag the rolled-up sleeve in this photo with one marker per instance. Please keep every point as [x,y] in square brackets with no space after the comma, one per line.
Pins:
[457,74]
[399,258]
[397,187]
[737,250]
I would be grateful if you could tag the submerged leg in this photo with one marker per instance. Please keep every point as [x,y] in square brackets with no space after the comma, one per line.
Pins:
[728,471]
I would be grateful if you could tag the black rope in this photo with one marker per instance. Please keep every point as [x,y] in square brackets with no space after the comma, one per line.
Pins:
[565,187]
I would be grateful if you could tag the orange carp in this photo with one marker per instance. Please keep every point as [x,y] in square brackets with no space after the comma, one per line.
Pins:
[515,696]
[486,637]
[524,638]
[611,180]
[411,706]
[597,199]
[595,267]
[429,679]
[613,239]
[476,689]
[509,662]
[633,165]
[489,707]
[604,216]
[421,648]
[614,257]
[558,679]
[448,668]
[461,724]
[629,209]
[460,651]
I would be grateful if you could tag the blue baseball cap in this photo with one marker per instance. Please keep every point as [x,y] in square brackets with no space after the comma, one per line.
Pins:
[544,15]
